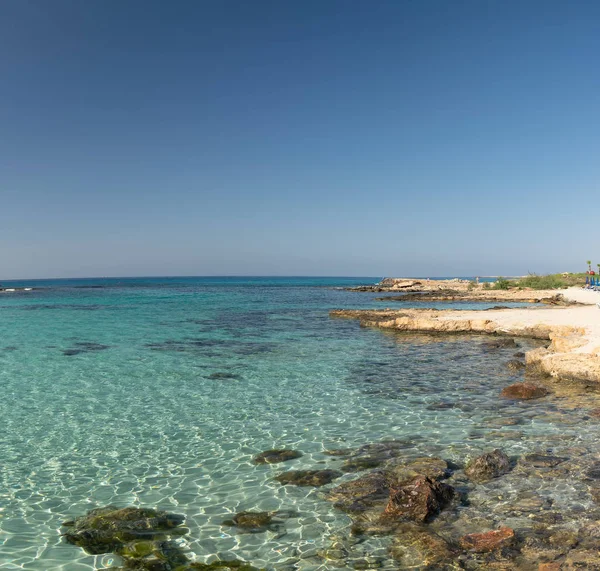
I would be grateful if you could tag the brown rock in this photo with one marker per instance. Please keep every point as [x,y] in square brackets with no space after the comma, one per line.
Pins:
[488,541]
[488,466]
[362,494]
[419,500]
[524,391]
[553,566]
[430,466]
[418,548]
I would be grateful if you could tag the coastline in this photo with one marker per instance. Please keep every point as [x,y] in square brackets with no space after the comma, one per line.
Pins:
[573,331]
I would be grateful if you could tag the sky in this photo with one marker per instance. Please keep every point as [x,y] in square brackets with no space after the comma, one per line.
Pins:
[298,137]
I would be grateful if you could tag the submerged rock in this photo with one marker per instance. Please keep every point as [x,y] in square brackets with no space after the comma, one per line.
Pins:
[105,530]
[234,564]
[430,466]
[515,365]
[276,456]
[488,466]
[524,391]
[419,500]
[541,460]
[488,541]
[361,463]
[314,478]
[361,495]
[417,548]
[222,376]
[251,521]
[500,343]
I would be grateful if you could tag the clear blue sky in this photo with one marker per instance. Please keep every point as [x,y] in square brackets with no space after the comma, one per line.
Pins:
[404,137]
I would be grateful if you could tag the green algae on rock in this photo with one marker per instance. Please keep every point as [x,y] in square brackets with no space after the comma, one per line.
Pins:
[104,530]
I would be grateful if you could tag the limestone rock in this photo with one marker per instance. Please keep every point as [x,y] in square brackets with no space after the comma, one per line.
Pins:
[488,466]
[417,548]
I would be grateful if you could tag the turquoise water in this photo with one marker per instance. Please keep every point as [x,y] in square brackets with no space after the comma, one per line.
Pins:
[158,392]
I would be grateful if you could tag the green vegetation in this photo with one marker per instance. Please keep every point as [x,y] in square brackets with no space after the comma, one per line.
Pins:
[534,281]
[502,283]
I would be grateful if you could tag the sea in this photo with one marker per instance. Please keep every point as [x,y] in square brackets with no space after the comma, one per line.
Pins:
[159,392]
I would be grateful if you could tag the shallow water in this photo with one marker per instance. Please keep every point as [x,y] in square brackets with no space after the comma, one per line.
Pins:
[160,392]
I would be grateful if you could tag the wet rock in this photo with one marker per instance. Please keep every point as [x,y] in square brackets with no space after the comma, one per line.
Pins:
[519,355]
[593,473]
[253,522]
[430,466]
[581,559]
[338,452]
[499,343]
[419,500]
[360,463]
[106,530]
[417,548]
[515,365]
[488,541]
[541,460]
[153,556]
[488,466]
[358,496]
[308,477]
[524,391]
[276,456]
[594,412]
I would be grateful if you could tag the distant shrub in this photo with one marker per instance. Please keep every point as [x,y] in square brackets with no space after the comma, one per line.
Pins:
[551,281]
[502,283]
[471,286]
[486,285]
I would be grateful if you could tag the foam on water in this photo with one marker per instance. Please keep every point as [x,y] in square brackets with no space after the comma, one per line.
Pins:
[159,394]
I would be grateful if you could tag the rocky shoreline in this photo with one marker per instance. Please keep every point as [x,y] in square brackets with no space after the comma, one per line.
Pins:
[573,352]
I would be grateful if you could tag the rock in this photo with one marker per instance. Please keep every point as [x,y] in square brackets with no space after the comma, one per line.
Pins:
[419,500]
[430,466]
[581,559]
[105,530]
[519,355]
[253,522]
[359,464]
[417,548]
[362,494]
[488,541]
[524,391]
[488,466]
[338,452]
[515,365]
[541,461]
[553,566]
[593,473]
[308,477]
[500,343]
[276,456]
[153,556]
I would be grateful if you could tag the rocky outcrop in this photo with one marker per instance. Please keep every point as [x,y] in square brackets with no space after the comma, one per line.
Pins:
[488,466]
[418,500]
[573,354]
